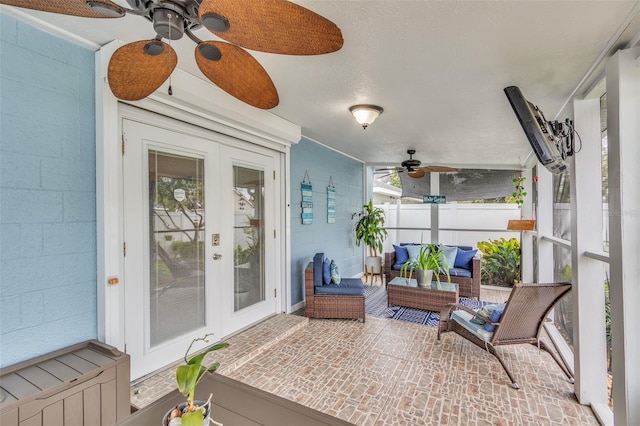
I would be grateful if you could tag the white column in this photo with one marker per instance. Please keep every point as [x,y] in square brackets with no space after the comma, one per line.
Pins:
[589,334]
[110,279]
[526,238]
[623,112]
[435,209]
[544,224]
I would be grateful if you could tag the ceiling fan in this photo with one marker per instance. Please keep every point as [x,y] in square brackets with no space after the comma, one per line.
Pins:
[274,26]
[413,169]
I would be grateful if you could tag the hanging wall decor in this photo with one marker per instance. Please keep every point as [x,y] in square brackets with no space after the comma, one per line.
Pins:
[331,202]
[307,200]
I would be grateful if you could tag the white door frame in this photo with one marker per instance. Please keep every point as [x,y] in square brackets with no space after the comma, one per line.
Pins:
[194,101]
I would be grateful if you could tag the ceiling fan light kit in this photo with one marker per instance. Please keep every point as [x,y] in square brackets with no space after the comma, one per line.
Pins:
[365,114]
[139,68]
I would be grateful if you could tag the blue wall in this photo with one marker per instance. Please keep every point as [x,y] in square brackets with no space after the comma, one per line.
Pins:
[336,240]
[47,193]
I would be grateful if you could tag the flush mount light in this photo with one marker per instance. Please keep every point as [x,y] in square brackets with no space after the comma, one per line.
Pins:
[365,114]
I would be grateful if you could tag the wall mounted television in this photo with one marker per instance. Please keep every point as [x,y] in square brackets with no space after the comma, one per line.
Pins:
[552,142]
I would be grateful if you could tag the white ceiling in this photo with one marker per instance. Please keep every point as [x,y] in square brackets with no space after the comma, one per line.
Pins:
[438,68]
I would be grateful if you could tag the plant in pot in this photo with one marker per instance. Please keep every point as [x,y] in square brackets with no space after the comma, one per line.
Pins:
[191,412]
[427,261]
[370,230]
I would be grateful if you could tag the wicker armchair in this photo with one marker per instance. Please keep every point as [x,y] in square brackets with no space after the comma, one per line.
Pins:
[521,321]
[334,305]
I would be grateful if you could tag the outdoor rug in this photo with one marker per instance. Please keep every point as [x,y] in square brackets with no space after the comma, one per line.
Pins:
[376,305]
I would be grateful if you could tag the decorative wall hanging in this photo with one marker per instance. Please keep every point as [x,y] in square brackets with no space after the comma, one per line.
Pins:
[331,202]
[307,200]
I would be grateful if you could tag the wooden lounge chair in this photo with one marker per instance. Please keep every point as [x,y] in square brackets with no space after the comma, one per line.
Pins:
[521,321]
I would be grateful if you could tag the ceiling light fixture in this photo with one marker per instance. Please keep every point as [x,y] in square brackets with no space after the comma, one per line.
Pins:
[365,114]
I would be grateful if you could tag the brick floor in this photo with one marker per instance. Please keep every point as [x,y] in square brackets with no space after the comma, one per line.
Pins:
[388,372]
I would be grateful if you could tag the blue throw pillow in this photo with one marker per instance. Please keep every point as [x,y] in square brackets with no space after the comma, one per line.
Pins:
[326,271]
[402,255]
[463,258]
[335,273]
[447,255]
[413,252]
[495,316]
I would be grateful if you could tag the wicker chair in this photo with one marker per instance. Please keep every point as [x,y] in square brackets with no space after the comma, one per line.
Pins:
[521,321]
[331,305]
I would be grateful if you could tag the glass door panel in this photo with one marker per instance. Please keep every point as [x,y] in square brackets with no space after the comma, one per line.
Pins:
[248,237]
[176,245]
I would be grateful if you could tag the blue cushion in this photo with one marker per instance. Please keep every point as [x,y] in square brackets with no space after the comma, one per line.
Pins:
[326,271]
[397,266]
[465,248]
[402,255]
[460,272]
[447,255]
[335,273]
[413,251]
[318,265]
[349,286]
[463,258]
[495,316]
[464,319]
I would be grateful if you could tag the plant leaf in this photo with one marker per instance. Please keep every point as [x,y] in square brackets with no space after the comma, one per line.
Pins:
[193,419]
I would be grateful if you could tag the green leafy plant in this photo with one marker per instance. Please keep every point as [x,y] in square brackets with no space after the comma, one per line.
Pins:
[370,228]
[500,262]
[519,193]
[189,374]
[428,258]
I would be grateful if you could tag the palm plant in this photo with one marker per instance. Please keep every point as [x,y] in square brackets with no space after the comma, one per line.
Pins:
[428,259]
[370,228]
[187,377]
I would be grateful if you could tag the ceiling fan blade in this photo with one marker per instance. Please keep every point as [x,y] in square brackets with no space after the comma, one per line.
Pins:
[137,69]
[439,169]
[416,174]
[83,8]
[272,26]
[237,73]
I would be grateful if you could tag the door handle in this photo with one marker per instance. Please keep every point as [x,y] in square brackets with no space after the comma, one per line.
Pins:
[216,256]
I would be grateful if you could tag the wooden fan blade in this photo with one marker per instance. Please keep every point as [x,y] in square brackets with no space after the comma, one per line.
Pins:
[439,169]
[417,174]
[137,69]
[272,26]
[238,73]
[83,8]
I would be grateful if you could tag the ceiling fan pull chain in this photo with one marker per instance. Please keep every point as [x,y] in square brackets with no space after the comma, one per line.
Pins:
[170,90]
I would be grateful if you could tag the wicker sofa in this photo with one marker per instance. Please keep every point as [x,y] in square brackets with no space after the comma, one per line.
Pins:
[468,280]
[344,300]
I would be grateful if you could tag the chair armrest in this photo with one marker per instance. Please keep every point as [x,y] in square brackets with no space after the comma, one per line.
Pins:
[389,261]
[475,267]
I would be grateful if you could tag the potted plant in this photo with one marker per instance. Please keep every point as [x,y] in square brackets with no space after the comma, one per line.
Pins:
[426,262]
[370,230]
[518,190]
[191,412]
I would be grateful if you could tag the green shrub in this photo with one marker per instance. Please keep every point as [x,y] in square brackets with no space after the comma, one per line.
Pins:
[500,262]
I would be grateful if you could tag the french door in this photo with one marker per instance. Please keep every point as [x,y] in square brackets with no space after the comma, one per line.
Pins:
[197,255]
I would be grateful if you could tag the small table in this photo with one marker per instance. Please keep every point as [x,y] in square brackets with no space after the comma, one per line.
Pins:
[406,292]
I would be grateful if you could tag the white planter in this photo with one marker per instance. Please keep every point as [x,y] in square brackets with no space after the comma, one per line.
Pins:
[373,264]
[424,277]
[178,422]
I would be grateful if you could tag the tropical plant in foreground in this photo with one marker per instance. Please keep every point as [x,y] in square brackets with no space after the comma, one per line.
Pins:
[187,377]
[500,262]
